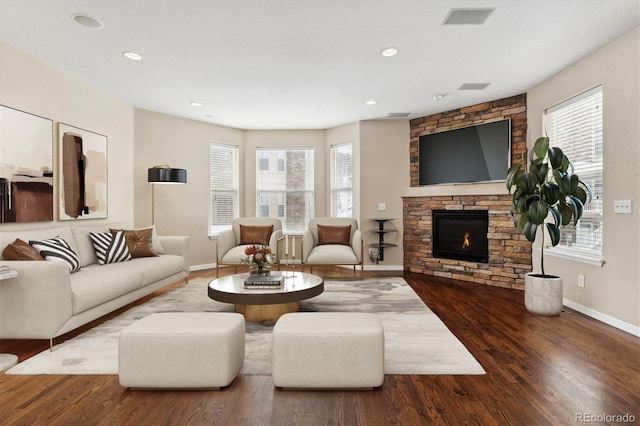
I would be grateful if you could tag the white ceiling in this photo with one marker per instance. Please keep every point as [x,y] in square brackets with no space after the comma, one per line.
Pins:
[310,64]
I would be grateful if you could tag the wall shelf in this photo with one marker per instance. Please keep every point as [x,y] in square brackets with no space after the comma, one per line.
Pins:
[382,231]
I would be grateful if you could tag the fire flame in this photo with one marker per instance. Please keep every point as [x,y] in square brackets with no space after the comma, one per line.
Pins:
[466,242]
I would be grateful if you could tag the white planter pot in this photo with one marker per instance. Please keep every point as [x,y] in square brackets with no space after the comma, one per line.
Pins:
[543,295]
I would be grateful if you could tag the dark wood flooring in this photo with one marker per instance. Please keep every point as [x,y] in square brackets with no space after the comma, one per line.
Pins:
[540,371]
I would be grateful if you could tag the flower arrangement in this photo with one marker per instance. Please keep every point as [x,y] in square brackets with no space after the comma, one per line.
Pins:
[259,257]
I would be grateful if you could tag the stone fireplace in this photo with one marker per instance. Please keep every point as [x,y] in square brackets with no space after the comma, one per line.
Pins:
[509,253]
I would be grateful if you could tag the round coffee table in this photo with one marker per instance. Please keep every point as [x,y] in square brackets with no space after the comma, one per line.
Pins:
[266,305]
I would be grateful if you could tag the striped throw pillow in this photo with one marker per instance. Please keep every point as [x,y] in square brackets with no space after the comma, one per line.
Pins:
[110,247]
[58,250]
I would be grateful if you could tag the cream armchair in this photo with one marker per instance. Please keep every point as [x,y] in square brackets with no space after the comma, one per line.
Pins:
[332,241]
[245,231]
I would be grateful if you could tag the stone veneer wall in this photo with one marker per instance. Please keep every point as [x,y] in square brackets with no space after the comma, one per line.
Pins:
[509,251]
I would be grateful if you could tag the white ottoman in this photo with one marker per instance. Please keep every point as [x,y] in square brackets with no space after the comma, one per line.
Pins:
[182,350]
[328,350]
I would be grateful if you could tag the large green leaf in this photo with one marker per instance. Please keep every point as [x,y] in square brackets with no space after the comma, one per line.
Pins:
[557,216]
[538,212]
[565,184]
[581,194]
[540,171]
[530,231]
[566,212]
[527,183]
[578,208]
[512,175]
[556,157]
[554,233]
[541,147]
[550,193]
[574,184]
[524,218]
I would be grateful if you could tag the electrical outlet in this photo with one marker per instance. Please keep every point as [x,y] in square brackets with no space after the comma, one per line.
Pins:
[382,207]
[622,206]
[581,281]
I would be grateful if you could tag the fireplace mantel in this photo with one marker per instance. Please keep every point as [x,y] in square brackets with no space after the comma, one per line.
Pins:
[479,188]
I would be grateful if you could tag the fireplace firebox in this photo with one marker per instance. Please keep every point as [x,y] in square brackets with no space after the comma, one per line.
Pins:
[461,235]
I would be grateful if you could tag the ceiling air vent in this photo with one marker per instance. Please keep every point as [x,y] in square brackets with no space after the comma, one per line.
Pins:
[470,16]
[398,114]
[474,86]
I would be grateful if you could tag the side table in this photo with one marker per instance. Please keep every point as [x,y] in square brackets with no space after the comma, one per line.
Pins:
[8,360]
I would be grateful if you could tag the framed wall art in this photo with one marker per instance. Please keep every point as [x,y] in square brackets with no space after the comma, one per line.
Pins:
[26,167]
[82,165]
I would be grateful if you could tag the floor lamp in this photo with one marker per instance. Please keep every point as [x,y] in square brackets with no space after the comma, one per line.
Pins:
[163,175]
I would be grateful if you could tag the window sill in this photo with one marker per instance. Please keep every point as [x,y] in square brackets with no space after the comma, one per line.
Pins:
[563,253]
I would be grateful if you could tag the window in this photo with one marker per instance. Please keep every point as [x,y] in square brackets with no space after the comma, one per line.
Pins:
[575,126]
[342,180]
[224,186]
[285,188]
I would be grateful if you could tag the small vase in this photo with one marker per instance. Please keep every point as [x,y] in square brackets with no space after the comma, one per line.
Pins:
[260,269]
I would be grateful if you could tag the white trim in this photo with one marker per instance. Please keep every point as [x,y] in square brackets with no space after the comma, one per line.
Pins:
[570,254]
[202,267]
[609,320]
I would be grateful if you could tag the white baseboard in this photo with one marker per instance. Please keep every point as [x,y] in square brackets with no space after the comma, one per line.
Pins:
[202,267]
[614,322]
[194,268]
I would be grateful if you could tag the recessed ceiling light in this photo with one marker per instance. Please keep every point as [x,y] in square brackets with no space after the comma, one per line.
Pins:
[196,104]
[371,102]
[87,21]
[438,96]
[390,51]
[133,56]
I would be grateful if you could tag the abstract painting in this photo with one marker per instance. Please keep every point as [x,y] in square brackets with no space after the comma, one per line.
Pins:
[82,160]
[26,167]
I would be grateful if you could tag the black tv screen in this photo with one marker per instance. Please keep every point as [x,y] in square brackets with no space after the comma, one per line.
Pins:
[479,153]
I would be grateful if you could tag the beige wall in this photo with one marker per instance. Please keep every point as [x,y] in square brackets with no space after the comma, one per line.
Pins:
[179,209]
[384,173]
[611,292]
[31,86]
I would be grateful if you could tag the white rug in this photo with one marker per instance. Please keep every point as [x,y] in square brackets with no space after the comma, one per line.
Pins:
[416,340]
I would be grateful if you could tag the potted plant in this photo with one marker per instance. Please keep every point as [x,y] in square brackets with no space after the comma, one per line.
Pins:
[549,193]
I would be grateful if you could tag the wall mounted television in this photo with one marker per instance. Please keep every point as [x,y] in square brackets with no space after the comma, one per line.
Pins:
[480,153]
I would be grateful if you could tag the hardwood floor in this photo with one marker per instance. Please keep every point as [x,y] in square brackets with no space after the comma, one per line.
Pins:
[540,371]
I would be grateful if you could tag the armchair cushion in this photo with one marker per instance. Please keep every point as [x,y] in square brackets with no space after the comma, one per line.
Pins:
[255,234]
[334,235]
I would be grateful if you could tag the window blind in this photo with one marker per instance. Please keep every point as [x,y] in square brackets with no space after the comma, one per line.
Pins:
[224,186]
[575,126]
[285,186]
[342,180]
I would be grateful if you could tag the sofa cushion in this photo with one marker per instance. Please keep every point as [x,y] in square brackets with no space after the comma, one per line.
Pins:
[155,268]
[97,284]
[334,235]
[255,234]
[86,251]
[58,250]
[64,232]
[110,247]
[20,250]
[139,241]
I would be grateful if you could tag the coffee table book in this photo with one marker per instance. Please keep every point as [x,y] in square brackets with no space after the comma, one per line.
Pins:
[264,281]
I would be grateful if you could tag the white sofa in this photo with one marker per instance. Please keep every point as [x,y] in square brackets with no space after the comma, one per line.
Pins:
[45,300]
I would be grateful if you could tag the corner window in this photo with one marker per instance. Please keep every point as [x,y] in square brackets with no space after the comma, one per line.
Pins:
[286,191]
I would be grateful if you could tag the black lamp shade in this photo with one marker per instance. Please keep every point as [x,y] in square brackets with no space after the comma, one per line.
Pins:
[166,175]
